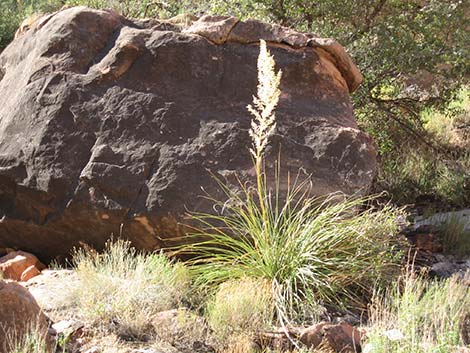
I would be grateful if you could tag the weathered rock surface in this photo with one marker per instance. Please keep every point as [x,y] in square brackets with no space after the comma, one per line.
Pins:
[114,126]
[20,266]
[335,337]
[20,314]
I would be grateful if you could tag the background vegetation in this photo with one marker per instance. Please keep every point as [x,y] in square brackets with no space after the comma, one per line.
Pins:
[414,58]
[419,316]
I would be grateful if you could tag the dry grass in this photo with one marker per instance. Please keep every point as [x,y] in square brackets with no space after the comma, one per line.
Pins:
[240,308]
[121,290]
[455,237]
[32,340]
[419,316]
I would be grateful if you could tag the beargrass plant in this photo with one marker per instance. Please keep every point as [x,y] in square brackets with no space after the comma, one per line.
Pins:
[121,289]
[309,250]
[419,316]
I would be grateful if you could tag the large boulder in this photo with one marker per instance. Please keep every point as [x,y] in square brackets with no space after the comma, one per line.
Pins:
[20,317]
[111,126]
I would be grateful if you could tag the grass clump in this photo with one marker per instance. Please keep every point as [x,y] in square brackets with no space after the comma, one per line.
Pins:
[452,129]
[123,289]
[308,250]
[32,340]
[241,306]
[414,174]
[419,316]
[455,236]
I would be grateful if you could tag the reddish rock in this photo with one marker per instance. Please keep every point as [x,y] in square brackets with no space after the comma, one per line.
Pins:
[30,272]
[338,337]
[426,242]
[132,119]
[19,314]
[251,31]
[214,28]
[14,265]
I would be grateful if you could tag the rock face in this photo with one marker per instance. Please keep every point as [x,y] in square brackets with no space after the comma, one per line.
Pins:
[20,315]
[110,126]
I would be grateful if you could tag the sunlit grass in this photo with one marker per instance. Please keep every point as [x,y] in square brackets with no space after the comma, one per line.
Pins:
[311,251]
[33,340]
[419,316]
[240,307]
[123,289]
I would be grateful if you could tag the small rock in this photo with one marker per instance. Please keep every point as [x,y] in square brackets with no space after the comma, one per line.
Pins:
[394,335]
[67,327]
[338,337]
[93,349]
[426,242]
[69,333]
[15,263]
[312,336]
[447,269]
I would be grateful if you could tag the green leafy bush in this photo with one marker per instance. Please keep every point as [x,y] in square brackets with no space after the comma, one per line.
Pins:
[414,173]
[13,12]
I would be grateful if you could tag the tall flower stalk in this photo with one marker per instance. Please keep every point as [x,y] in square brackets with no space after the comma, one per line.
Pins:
[310,250]
[263,122]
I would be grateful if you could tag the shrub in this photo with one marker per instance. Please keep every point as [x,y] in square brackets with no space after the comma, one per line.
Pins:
[414,173]
[418,316]
[13,12]
[240,306]
[124,289]
[310,252]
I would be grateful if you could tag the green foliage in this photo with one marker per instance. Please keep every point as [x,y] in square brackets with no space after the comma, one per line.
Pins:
[455,237]
[125,287]
[452,127]
[13,12]
[311,251]
[418,316]
[411,173]
[139,8]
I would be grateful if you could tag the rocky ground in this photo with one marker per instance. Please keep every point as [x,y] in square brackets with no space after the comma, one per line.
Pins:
[30,290]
